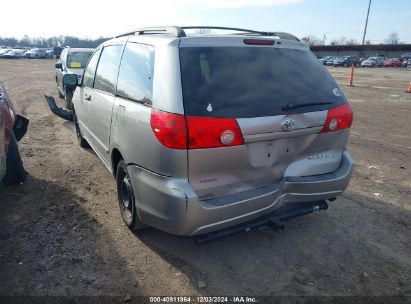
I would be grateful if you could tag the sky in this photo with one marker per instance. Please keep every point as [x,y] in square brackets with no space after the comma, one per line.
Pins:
[330,19]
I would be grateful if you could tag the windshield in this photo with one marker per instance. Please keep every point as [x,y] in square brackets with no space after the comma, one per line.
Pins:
[253,81]
[78,60]
[372,59]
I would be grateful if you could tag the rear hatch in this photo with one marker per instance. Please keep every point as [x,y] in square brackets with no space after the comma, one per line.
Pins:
[255,110]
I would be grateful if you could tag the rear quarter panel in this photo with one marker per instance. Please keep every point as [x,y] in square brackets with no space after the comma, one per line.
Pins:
[132,135]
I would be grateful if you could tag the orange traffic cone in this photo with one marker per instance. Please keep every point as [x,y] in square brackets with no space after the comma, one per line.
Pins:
[409,88]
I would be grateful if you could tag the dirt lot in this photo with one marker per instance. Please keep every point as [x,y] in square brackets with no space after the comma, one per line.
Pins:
[61,232]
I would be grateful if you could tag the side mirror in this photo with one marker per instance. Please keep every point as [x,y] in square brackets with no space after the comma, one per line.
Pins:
[70,80]
[58,65]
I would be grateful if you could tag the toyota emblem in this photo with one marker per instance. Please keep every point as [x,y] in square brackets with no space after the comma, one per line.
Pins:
[288,125]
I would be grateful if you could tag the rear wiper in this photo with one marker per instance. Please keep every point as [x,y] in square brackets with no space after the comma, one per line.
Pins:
[291,106]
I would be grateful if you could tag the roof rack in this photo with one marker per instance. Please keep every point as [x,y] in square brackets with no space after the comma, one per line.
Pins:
[178,31]
[169,30]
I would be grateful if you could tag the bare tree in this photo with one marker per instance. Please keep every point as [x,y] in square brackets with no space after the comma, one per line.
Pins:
[341,41]
[312,40]
[393,38]
[344,41]
[351,42]
[27,41]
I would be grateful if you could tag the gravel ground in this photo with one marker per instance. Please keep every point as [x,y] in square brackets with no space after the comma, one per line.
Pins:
[61,232]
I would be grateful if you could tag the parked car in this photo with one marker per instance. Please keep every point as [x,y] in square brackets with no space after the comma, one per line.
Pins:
[330,61]
[36,53]
[323,60]
[203,133]
[405,60]
[73,61]
[392,62]
[14,54]
[373,62]
[406,56]
[49,53]
[20,53]
[3,52]
[12,128]
[347,61]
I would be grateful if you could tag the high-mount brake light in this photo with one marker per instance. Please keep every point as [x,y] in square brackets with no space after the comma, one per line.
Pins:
[338,118]
[258,42]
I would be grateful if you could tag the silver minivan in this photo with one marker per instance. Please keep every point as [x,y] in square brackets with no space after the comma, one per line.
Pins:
[207,131]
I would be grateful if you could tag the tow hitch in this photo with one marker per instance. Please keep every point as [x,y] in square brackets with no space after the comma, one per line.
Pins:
[274,220]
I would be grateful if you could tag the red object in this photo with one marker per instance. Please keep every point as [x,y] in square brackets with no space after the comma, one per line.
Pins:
[191,132]
[392,62]
[7,118]
[258,42]
[409,88]
[170,129]
[208,132]
[338,118]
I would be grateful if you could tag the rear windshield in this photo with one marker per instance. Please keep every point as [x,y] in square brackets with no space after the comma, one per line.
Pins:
[242,82]
[78,60]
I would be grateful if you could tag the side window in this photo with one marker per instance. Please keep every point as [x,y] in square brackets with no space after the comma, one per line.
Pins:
[88,78]
[135,78]
[106,74]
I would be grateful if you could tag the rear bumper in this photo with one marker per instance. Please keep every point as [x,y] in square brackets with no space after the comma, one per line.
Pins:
[171,205]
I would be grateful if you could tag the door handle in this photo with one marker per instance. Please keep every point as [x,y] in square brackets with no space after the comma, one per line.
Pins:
[87,97]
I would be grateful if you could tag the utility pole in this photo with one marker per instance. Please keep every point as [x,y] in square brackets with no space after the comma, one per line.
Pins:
[366,23]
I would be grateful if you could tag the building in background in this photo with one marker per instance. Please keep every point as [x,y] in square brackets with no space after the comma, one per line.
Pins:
[365,51]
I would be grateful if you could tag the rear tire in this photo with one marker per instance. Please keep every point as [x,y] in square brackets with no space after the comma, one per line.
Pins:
[80,139]
[126,198]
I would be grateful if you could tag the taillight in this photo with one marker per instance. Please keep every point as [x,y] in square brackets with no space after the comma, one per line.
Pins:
[191,132]
[338,118]
[170,129]
[209,132]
